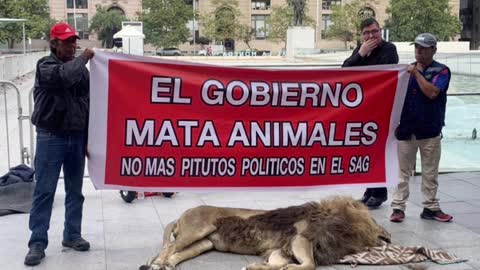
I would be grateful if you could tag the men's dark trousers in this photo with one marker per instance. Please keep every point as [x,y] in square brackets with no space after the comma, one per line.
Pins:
[51,153]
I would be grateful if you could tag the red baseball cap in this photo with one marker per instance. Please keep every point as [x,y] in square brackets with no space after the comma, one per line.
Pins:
[62,31]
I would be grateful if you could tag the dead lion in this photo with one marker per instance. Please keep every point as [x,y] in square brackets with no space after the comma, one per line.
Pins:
[292,238]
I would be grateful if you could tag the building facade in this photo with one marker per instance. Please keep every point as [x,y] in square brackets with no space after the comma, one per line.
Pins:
[257,11]
[470,17]
[254,12]
[78,13]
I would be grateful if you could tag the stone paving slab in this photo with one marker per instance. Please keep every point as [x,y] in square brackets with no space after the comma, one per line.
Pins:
[124,236]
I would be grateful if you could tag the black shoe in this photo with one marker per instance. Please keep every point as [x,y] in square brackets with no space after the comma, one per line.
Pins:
[78,244]
[437,215]
[366,195]
[364,199]
[34,255]
[374,202]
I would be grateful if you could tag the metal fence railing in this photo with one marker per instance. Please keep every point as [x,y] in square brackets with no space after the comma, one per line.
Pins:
[459,63]
[31,128]
[23,153]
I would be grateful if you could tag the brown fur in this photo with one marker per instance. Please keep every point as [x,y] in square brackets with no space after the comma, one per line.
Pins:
[296,237]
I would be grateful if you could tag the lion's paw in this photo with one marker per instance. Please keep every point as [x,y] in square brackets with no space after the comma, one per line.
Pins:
[161,267]
[254,266]
[292,266]
[289,267]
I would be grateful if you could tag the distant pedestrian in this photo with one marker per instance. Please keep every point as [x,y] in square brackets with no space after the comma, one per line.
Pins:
[372,51]
[209,50]
[421,123]
[61,95]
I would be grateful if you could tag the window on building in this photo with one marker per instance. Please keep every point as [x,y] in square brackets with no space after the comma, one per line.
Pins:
[261,4]
[117,9]
[191,2]
[81,22]
[327,4]
[259,26]
[326,23]
[78,3]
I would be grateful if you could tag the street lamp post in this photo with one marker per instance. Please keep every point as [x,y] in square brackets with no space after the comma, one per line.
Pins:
[318,27]
[23,36]
[193,28]
[75,15]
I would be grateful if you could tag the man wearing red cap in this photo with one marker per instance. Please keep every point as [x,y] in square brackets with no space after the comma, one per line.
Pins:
[61,96]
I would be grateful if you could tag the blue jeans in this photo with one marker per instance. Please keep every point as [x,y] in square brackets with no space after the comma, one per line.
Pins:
[51,153]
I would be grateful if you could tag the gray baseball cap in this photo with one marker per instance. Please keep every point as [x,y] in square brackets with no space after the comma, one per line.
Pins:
[426,40]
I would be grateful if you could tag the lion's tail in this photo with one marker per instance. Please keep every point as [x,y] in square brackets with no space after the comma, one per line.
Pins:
[167,233]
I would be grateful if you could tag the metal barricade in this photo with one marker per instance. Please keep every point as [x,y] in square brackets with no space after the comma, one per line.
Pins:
[25,154]
[32,132]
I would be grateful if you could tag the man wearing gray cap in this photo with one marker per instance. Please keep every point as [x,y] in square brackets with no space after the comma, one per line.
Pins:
[420,127]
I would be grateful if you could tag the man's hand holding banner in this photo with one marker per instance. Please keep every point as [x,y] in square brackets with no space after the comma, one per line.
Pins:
[169,125]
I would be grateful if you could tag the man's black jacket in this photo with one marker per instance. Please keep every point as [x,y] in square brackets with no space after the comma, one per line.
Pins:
[61,95]
[385,53]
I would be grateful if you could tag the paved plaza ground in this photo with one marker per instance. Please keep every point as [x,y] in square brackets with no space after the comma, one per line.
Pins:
[123,236]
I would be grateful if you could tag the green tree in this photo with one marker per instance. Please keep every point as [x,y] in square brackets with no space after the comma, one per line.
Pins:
[46,31]
[34,11]
[201,40]
[409,18]
[345,22]
[280,19]
[165,22]
[223,22]
[106,23]
[246,34]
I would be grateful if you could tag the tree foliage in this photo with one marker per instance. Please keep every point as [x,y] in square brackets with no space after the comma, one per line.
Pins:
[165,22]
[278,22]
[46,34]
[410,18]
[201,40]
[280,19]
[224,22]
[345,22]
[106,23]
[246,34]
[36,13]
